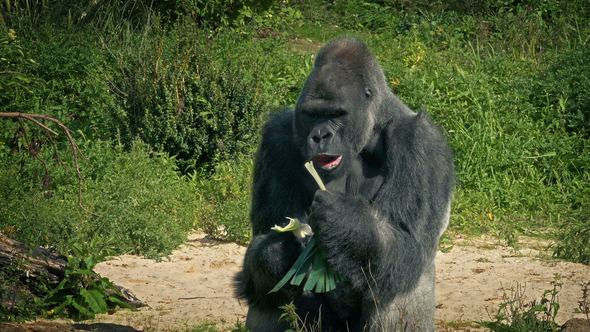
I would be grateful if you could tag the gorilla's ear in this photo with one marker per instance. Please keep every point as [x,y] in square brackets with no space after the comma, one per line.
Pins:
[368,92]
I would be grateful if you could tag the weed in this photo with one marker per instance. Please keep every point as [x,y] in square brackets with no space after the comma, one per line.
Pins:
[296,323]
[584,302]
[516,315]
[574,238]
[82,293]
[223,199]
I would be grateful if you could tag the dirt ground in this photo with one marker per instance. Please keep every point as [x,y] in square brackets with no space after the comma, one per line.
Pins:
[196,285]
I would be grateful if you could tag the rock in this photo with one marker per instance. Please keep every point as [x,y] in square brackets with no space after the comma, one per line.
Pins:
[576,325]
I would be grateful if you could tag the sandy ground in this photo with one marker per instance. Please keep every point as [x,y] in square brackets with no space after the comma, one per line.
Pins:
[196,285]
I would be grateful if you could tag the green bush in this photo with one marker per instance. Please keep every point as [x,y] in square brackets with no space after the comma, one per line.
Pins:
[218,13]
[72,90]
[223,208]
[15,66]
[185,97]
[144,206]
[83,293]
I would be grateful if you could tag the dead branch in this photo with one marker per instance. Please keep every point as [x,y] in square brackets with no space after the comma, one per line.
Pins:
[75,149]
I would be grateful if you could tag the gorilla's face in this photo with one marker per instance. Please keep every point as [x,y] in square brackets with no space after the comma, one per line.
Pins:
[332,121]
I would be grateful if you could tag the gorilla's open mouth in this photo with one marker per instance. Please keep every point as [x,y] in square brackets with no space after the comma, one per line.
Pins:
[327,162]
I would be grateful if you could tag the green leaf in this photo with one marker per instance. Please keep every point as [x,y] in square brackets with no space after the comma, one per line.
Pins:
[302,271]
[317,272]
[330,282]
[94,300]
[81,309]
[56,289]
[99,296]
[89,262]
[302,258]
[86,272]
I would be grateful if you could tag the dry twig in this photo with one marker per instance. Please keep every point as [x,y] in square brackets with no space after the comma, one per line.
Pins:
[48,131]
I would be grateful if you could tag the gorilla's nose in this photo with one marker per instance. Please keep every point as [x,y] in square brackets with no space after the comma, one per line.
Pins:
[321,136]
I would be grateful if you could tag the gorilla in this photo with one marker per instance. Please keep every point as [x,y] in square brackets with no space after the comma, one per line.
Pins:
[389,178]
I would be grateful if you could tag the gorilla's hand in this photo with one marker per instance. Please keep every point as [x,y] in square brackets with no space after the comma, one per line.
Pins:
[345,228]
[273,254]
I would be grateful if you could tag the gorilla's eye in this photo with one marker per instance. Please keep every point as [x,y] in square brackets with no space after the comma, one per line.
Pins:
[308,115]
[311,115]
[338,113]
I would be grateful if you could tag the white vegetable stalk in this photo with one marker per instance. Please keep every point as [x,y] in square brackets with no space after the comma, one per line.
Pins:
[299,230]
[322,277]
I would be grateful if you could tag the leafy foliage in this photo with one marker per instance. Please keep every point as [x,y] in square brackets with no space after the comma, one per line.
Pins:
[80,295]
[290,316]
[15,66]
[83,293]
[218,13]
[184,98]
[516,316]
[142,202]
[574,238]
[567,80]
[224,199]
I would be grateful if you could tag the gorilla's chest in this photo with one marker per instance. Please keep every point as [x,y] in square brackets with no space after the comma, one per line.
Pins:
[365,183]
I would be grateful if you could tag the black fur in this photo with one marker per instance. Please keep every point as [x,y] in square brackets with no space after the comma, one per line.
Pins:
[380,220]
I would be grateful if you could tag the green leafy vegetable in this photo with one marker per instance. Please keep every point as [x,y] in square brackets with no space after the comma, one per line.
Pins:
[322,277]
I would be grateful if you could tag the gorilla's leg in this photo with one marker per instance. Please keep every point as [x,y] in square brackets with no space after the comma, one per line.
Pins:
[311,308]
[265,320]
[413,311]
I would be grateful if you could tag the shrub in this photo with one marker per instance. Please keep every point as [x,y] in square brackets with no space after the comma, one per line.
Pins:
[224,199]
[144,206]
[72,90]
[217,13]
[185,97]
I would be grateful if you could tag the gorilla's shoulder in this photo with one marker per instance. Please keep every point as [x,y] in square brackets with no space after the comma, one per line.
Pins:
[278,131]
[418,134]
[415,127]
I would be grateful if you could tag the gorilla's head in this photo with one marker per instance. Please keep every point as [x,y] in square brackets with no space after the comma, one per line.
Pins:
[339,105]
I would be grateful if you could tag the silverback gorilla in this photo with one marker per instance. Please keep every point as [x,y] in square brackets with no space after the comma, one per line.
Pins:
[389,176]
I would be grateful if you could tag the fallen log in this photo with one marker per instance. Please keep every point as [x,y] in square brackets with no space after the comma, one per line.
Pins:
[43,265]
[36,261]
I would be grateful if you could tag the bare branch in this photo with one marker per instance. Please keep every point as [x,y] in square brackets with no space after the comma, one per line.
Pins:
[55,154]
[76,150]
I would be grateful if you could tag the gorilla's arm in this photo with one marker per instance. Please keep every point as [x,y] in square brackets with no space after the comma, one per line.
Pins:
[278,191]
[383,244]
